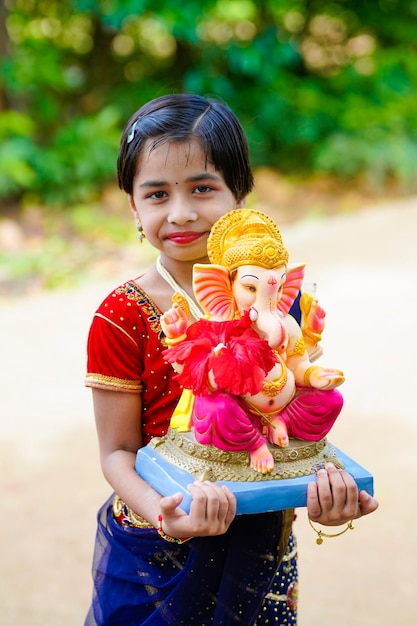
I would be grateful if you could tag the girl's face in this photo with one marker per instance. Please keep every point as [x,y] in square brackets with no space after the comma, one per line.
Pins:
[177,196]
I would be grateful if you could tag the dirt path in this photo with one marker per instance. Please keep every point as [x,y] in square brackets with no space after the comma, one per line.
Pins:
[51,485]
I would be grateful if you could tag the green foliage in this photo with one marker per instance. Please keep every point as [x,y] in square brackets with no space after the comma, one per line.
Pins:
[80,154]
[319,86]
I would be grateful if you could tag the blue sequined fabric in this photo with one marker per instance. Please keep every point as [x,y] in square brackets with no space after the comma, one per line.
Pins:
[140,579]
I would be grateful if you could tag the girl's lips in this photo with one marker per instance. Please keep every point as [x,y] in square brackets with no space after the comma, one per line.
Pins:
[184,237]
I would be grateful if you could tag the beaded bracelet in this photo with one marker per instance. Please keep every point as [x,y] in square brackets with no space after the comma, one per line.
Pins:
[162,534]
[321,534]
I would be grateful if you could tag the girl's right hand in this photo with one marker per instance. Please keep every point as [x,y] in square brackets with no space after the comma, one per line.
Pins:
[212,510]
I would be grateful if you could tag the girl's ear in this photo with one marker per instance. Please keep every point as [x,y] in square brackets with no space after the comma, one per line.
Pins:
[135,213]
[132,206]
[241,203]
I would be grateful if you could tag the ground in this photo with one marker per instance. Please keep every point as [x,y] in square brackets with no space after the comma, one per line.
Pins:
[365,264]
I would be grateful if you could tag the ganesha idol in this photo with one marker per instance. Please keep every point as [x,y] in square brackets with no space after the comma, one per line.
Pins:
[249,381]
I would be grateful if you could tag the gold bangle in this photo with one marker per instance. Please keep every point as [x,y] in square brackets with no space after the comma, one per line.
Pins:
[309,334]
[172,341]
[307,374]
[162,534]
[321,534]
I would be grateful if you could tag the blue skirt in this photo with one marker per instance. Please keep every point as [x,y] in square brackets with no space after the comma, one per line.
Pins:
[142,580]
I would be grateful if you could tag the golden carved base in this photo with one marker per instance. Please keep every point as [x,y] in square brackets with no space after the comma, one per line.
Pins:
[300,458]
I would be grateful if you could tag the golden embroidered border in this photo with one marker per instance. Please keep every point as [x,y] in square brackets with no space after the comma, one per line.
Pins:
[99,380]
[133,292]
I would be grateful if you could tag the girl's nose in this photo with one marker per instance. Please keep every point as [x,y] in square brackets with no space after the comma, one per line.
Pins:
[180,212]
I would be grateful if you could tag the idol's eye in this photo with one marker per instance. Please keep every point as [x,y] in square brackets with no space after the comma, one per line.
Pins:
[250,288]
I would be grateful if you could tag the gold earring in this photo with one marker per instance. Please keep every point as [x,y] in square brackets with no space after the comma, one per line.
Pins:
[141,235]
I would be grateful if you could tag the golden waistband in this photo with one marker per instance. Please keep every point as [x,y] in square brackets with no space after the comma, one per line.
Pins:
[124,515]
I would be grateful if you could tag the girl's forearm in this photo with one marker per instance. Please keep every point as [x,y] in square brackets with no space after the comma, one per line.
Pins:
[119,470]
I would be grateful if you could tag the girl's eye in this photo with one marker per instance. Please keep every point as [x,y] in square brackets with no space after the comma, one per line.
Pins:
[157,195]
[202,189]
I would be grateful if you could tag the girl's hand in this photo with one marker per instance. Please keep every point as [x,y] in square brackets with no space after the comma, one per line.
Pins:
[212,510]
[335,499]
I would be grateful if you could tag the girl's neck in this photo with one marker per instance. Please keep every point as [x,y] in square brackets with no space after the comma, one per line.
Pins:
[182,285]
[181,271]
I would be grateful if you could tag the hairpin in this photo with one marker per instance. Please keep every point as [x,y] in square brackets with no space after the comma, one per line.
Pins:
[132,132]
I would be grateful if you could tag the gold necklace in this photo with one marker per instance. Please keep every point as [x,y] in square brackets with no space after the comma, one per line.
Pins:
[168,278]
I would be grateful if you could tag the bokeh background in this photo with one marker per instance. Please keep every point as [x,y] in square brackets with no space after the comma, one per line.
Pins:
[326,93]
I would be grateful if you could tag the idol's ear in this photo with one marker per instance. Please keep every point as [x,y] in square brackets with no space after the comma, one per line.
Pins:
[213,291]
[292,286]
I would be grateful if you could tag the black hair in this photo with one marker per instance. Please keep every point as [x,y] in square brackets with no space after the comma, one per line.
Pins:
[181,117]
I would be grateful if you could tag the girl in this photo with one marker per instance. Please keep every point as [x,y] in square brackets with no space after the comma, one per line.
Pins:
[183,163]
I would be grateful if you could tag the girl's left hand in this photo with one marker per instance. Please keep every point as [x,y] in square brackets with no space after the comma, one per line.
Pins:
[334,499]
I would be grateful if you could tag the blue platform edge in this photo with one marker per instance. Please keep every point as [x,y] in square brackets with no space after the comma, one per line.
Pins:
[251,497]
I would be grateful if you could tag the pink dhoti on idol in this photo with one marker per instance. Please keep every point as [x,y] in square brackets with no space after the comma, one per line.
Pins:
[309,416]
[311,413]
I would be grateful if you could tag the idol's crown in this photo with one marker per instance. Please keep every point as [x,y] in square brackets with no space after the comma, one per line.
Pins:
[246,237]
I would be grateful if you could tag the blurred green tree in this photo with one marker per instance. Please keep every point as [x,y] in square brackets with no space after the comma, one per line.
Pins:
[319,86]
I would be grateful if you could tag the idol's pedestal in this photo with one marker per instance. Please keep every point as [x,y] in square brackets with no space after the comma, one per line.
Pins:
[172,462]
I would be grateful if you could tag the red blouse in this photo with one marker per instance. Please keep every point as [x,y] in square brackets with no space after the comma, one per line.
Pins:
[124,349]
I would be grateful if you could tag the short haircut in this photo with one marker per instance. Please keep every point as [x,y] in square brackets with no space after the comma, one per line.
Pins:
[182,117]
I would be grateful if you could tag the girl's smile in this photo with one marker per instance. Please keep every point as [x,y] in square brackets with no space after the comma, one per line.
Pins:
[184,238]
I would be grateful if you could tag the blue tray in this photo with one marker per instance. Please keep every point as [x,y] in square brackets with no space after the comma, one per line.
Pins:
[252,497]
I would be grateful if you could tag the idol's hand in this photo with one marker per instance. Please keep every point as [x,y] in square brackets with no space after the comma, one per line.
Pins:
[325,377]
[313,314]
[334,499]
[174,322]
[212,510]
